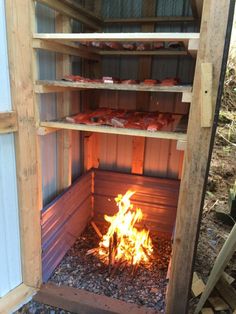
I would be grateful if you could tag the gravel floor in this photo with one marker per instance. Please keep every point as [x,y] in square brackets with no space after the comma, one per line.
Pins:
[147,287]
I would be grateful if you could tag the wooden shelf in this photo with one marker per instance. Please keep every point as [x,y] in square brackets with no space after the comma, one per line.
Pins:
[60,86]
[118,37]
[65,43]
[111,130]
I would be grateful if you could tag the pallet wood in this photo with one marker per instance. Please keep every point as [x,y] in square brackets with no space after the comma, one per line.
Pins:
[81,301]
[19,17]
[143,37]
[207,310]
[8,122]
[57,86]
[14,298]
[227,292]
[211,48]
[71,10]
[111,130]
[221,261]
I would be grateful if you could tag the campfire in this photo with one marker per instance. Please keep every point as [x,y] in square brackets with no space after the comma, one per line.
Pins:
[124,244]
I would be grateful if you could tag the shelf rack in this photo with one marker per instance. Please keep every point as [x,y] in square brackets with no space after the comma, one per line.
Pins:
[59,86]
[65,43]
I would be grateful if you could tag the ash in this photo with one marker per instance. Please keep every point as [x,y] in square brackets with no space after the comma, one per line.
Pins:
[146,287]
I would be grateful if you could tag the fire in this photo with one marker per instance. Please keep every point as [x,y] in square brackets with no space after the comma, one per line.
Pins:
[123,242]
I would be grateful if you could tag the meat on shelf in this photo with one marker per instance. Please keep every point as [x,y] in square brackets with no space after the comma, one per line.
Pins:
[111,80]
[120,118]
[132,46]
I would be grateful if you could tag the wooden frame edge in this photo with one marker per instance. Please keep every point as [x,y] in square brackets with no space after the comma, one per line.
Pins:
[15,298]
[8,122]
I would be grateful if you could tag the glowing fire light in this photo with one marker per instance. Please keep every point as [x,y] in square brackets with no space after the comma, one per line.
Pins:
[123,242]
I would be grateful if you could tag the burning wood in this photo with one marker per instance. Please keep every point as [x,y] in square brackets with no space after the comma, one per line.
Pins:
[123,244]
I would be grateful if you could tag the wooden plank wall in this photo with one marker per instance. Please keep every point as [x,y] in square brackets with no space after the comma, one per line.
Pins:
[63,220]
[156,197]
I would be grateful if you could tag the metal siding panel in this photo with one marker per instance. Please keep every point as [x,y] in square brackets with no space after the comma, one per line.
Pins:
[10,261]
[5,98]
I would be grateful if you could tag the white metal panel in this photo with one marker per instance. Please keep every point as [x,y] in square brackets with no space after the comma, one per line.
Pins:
[10,261]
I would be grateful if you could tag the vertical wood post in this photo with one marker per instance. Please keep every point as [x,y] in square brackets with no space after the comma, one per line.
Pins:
[64,137]
[20,21]
[211,49]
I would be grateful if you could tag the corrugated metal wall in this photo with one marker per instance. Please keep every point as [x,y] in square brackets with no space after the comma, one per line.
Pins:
[10,261]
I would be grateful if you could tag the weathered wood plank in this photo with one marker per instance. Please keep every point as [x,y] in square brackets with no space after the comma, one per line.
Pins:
[196,166]
[14,298]
[81,301]
[21,62]
[227,292]
[8,122]
[54,86]
[151,19]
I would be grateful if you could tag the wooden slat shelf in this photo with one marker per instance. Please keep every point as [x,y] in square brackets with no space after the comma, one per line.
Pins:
[60,86]
[118,37]
[161,52]
[62,124]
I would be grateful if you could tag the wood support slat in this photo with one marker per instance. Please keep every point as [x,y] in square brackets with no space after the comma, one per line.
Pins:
[21,59]
[81,301]
[64,138]
[8,122]
[206,95]
[64,48]
[151,20]
[112,130]
[131,53]
[197,6]
[196,160]
[73,11]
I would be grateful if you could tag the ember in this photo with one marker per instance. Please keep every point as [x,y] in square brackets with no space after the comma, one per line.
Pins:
[123,243]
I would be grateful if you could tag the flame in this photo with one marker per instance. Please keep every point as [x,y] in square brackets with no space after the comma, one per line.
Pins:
[126,242]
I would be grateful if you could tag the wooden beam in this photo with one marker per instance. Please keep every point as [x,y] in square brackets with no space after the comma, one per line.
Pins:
[81,301]
[73,11]
[80,37]
[196,160]
[21,62]
[65,48]
[45,131]
[11,301]
[151,20]
[8,122]
[64,138]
